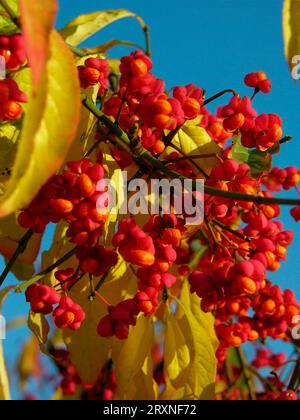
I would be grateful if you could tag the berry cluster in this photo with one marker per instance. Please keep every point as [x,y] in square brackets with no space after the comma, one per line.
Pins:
[103,389]
[142,98]
[154,250]
[12,48]
[10,98]
[67,314]
[93,72]
[242,240]
[73,196]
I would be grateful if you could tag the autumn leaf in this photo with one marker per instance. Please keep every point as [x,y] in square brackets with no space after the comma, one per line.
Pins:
[193,140]
[129,355]
[81,28]
[37,20]
[40,328]
[176,352]
[291,31]
[194,379]
[49,128]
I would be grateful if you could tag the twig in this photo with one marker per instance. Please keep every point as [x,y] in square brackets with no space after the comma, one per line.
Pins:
[20,249]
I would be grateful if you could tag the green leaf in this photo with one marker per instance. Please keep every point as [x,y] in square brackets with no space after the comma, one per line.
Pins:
[291,31]
[49,128]
[84,26]
[259,162]
[196,380]
[37,19]
[7,26]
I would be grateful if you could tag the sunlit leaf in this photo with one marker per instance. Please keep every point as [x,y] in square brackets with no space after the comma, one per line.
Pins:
[37,20]
[176,352]
[82,27]
[49,128]
[7,26]
[193,140]
[259,162]
[129,355]
[291,31]
[40,328]
[197,380]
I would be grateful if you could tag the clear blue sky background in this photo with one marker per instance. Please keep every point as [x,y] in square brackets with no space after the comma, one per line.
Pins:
[213,44]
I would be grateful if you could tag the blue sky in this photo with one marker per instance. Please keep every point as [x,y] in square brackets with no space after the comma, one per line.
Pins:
[213,44]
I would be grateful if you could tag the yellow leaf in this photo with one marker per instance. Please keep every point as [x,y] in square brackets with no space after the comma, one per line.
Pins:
[291,31]
[197,380]
[4,381]
[206,320]
[113,172]
[49,128]
[129,355]
[144,386]
[194,140]
[28,363]
[37,19]
[81,28]
[40,328]
[176,351]
[88,351]
[9,134]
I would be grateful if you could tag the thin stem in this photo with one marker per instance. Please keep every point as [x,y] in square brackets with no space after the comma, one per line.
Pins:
[78,51]
[48,270]
[20,249]
[102,298]
[147,39]
[189,159]
[101,281]
[12,14]
[204,156]
[234,232]
[260,377]
[94,147]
